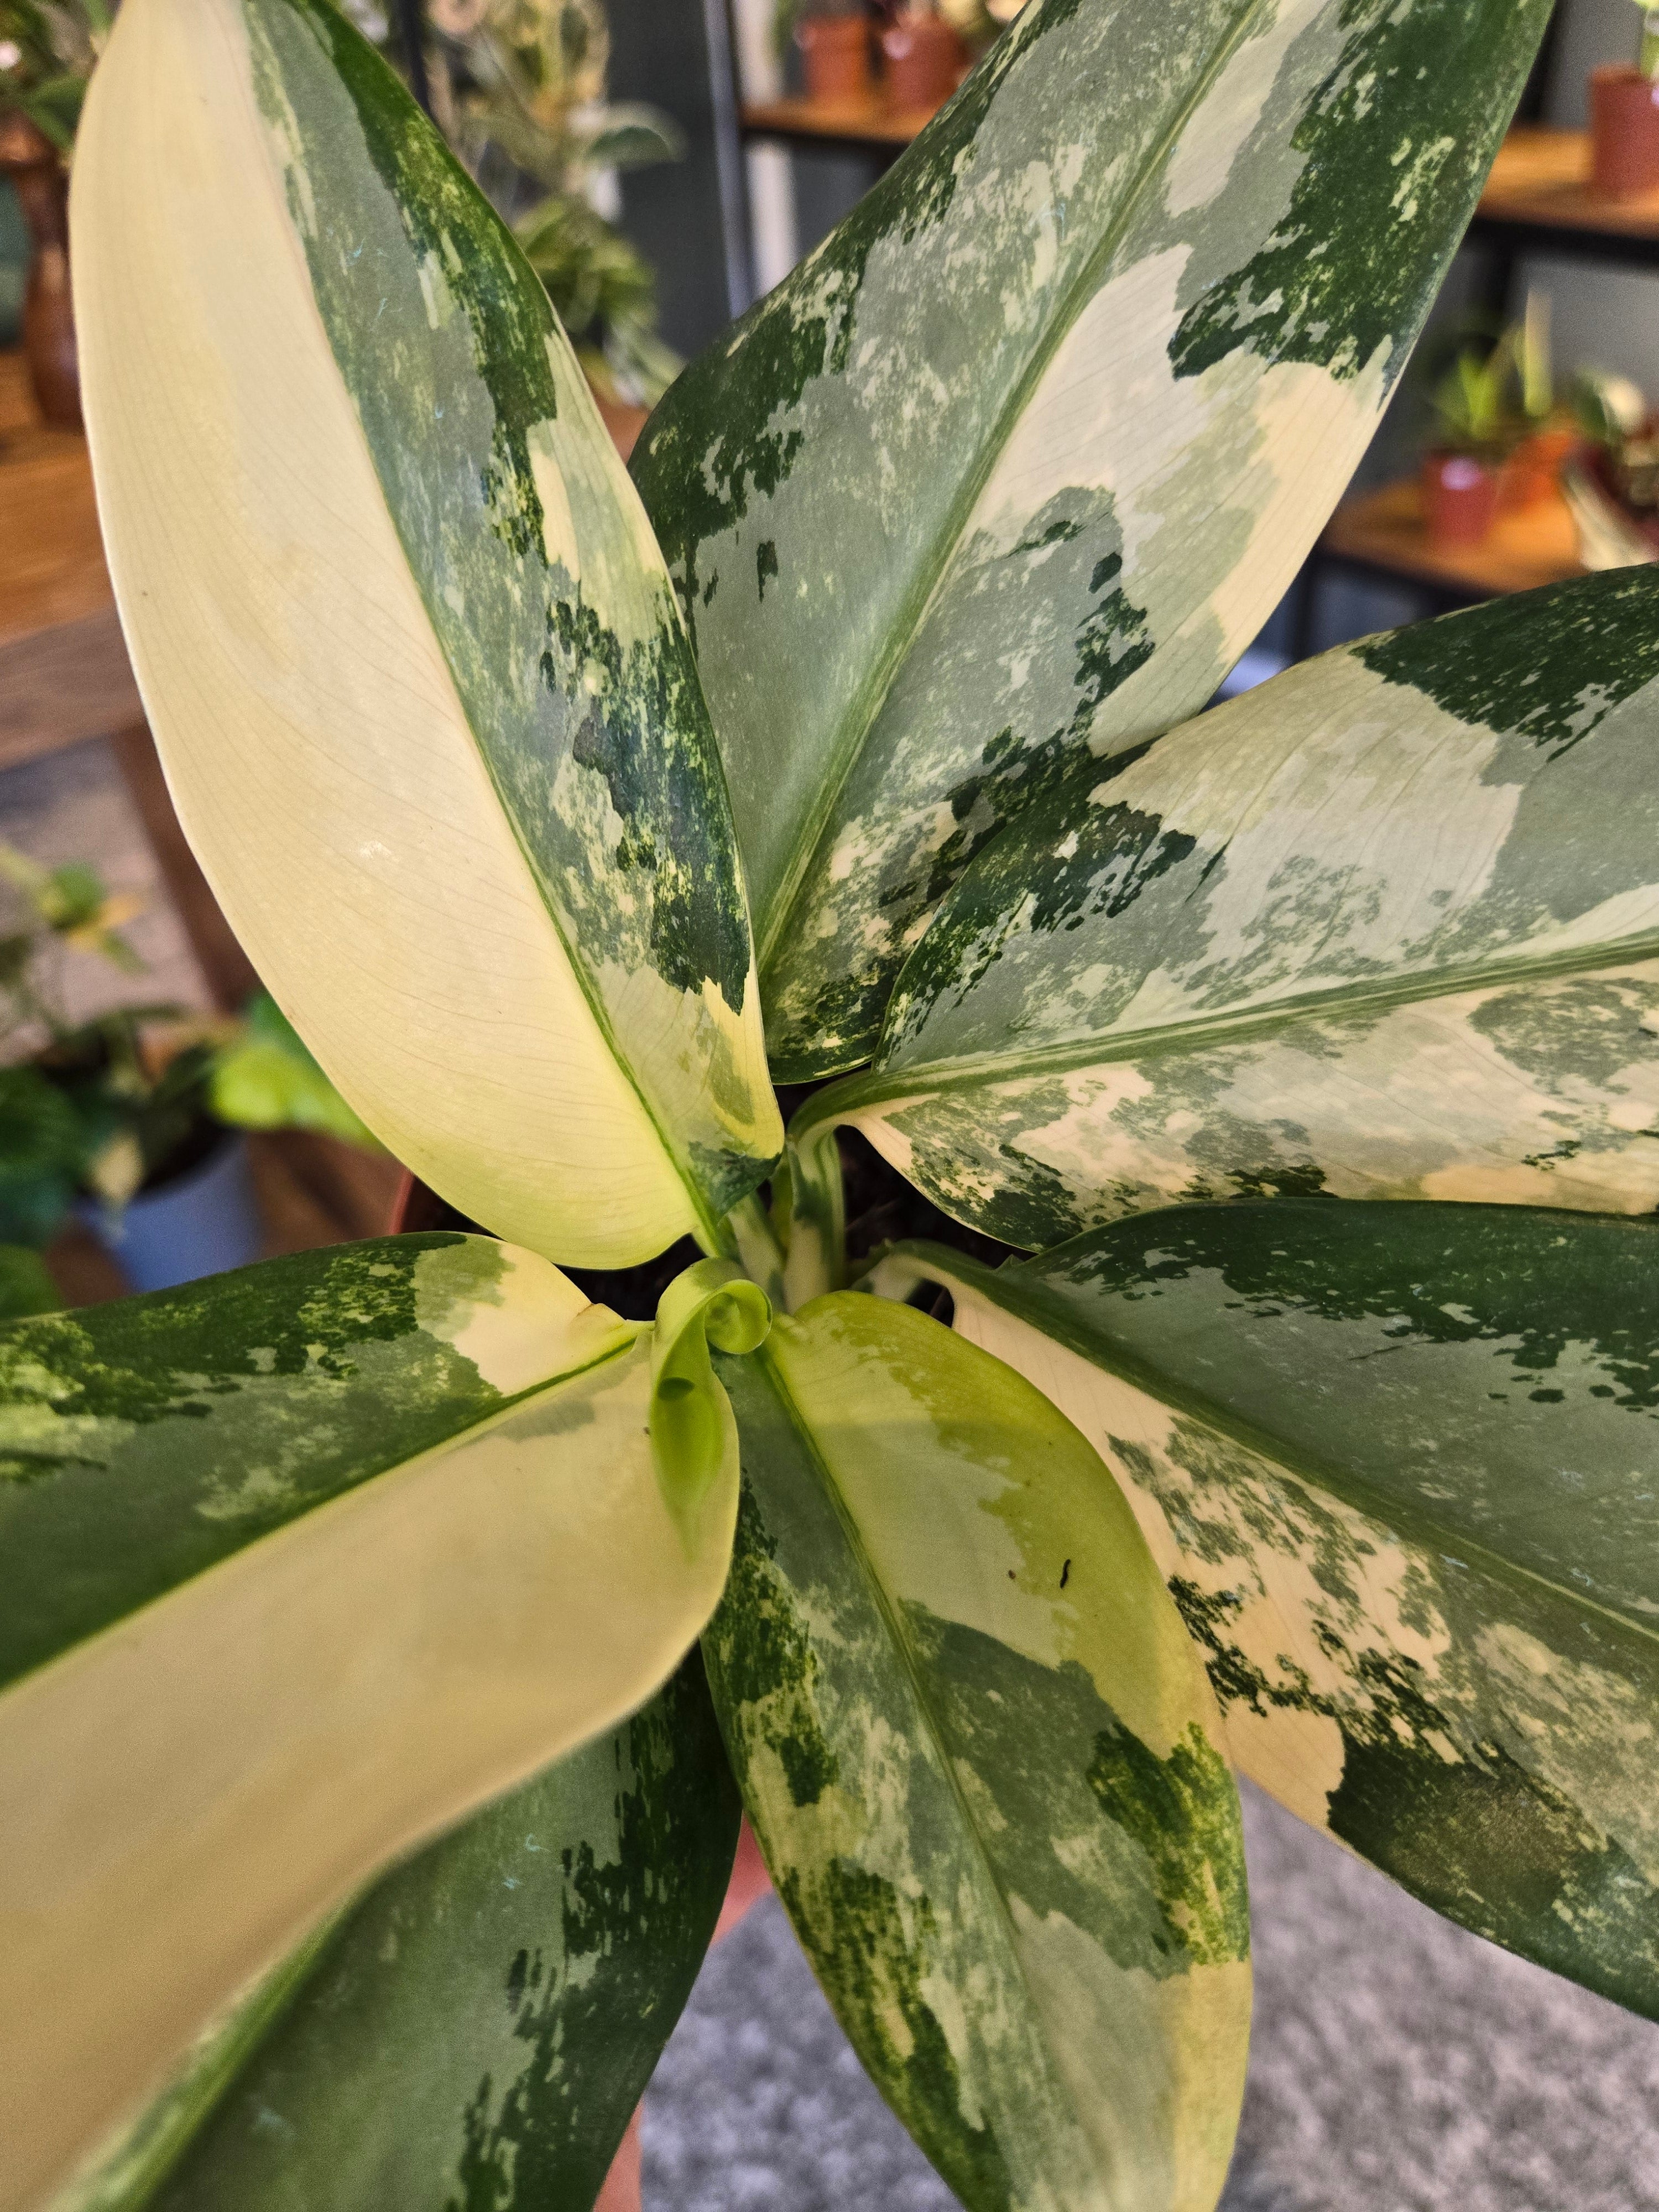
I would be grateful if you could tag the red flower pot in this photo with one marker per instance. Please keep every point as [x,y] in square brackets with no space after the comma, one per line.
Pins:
[835,50]
[1459,498]
[1624,133]
[925,59]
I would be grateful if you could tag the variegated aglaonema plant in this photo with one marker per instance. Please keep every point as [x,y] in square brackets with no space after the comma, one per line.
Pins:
[391,1634]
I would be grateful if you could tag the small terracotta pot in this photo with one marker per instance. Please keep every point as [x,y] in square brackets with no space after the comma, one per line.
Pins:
[1533,471]
[924,59]
[1624,133]
[1459,498]
[28,157]
[835,50]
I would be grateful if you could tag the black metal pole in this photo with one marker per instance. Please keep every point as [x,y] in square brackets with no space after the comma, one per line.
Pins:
[414,47]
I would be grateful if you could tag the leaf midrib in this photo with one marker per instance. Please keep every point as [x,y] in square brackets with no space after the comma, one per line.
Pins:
[900,1643]
[867,703]
[1108,1048]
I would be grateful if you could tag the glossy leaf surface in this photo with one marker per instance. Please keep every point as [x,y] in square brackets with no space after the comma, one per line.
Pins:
[480,2028]
[1387,926]
[297,1566]
[979,1754]
[1400,1466]
[413,661]
[1018,462]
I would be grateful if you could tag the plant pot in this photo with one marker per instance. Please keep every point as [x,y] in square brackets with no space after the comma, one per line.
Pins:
[1459,498]
[924,59]
[202,1223]
[1533,471]
[28,157]
[1624,133]
[835,50]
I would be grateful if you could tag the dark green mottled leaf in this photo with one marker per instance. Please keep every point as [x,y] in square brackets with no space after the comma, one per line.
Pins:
[1014,465]
[1400,1465]
[1386,928]
[978,1751]
[299,1567]
[475,2036]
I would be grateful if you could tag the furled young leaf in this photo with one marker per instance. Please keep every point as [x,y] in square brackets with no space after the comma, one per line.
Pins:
[1400,1466]
[296,1567]
[413,660]
[979,1753]
[479,2029]
[1388,927]
[1020,460]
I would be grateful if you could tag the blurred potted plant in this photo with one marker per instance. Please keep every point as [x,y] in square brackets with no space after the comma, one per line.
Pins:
[1544,431]
[1611,481]
[519,90]
[1624,102]
[834,43]
[1470,438]
[1497,438]
[132,1118]
[925,58]
[46,56]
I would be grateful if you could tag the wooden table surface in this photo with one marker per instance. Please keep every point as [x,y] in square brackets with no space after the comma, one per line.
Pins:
[64,672]
[1384,529]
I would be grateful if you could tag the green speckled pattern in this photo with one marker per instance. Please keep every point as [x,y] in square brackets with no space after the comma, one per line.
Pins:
[978,1751]
[1386,928]
[142,1442]
[474,2037]
[1400,1467]
[546,589]
[1015,464]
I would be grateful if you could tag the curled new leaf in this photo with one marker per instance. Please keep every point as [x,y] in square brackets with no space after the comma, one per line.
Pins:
[712,1305]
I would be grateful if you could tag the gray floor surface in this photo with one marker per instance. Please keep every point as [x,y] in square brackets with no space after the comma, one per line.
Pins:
[1398,2065]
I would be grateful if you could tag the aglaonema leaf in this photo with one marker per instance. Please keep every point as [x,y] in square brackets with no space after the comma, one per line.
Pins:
[414,664]
[1400,1467]
[297,1567]
[981,1758]
[1014,465]
[1386,928]
[478,2029]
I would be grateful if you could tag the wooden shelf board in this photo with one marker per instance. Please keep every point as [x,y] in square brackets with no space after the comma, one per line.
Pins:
[1384,529]
[1541,179]
[869,120]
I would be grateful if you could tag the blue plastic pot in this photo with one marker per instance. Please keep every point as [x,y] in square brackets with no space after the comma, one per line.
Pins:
[202,1223]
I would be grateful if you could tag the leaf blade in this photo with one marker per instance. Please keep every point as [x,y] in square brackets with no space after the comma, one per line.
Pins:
[422,693]
[955,1771]
[215,1766]
[1396,1464]
[1069,394]
[493,2009]
[1346,934]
